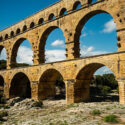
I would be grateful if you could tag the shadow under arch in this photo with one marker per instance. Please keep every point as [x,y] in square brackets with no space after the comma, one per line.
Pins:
[82,22]
[1,84]
[51,85]
[14,51]
[43,40]
[83,79]
[20,86]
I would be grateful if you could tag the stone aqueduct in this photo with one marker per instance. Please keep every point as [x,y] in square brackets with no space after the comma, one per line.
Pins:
[76,72]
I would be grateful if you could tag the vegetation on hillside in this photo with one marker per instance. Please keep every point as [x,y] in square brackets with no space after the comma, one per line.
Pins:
[3,64]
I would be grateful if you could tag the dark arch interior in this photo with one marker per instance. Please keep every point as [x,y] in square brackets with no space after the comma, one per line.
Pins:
[77,5]
[20,86]
[63,12]
[1,84]
[51,17]
[41,21]
[24,28]
[51,85]
[12,34]
[1,38]
[32,25]
[6,36]
[90,91]
[18,31]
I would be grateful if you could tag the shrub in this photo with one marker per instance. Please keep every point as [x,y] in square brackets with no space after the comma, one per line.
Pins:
[104,89]
[37,104]
[96,112]
[110,118]
[3,100]
[3,114]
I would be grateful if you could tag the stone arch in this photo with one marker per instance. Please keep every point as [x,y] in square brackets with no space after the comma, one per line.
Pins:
[14,50]
[76,4]
[18,31]
[62,12]
[1,38]
[41,21]
[51,17]
[24,28]
[20,86]
[6,36]
[47,83]
[12,33]
[42,42]
[83,79]
[81,24]
[32,24]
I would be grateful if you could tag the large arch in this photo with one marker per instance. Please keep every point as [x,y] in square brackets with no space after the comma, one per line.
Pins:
[83,79]
[20,86]
[15,50]
[81,24]
[43,40]
[48,83]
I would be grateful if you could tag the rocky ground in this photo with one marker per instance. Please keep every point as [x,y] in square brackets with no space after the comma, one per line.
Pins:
[56,112]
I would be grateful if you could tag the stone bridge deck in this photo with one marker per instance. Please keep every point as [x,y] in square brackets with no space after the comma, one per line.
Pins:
[76,74]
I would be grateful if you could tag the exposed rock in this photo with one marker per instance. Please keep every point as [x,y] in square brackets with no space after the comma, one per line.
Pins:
[12,101]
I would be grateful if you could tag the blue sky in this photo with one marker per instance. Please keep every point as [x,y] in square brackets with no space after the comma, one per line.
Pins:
[98,35]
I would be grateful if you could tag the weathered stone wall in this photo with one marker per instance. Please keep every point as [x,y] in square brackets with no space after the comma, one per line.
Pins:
[75,72]
[71,24]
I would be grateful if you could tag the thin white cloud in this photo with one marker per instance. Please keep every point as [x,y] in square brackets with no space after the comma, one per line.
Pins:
[58,43]
[109,27]
[25,55]
[3,54]
[103,70]
[84,35]
[90,51]
[55,55]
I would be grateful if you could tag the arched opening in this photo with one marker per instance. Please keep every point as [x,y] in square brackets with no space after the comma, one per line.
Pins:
[22,54]
[1,38]
[63,12]
[6,36]
[20,86]
[51,85]
[18,31]
[24,28]
[77,5]
[51,17]
[93,87]
[1,84]
[41,21]
[32,25]
[93,1]
[3,57]
[95,32]
[12,34]
[52,48]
